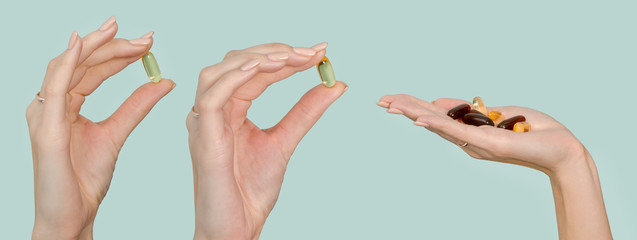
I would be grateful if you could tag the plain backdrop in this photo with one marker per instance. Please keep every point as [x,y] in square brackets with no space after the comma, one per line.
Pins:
[360,173]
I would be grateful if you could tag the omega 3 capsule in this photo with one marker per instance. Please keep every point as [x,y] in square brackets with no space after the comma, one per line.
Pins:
[510,122]
[478,105]
[151,66]
[522,127]
[326,72]
[495,115]
[459,111]
[477,119]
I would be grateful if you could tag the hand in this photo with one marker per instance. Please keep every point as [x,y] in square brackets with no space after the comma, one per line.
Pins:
[549,147]
[238,168]
[73,157]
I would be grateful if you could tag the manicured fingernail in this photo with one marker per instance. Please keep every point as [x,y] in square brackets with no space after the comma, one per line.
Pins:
[148,35]
[304,51]
[73,40]
[320,46]
[108,24]
[422,124]
[383,104]
[174,85]
[394,111]
[140,41]
[279,56]
[346,87]
[250,65]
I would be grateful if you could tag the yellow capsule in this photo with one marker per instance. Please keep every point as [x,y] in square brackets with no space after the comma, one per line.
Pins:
[151,66]
[478,105]
[522,127]
[326,72]
[495,116]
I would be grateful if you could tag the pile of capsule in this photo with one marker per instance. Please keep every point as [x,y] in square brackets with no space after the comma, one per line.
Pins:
[478,116]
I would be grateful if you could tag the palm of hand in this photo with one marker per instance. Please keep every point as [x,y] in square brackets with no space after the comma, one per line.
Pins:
[547,146]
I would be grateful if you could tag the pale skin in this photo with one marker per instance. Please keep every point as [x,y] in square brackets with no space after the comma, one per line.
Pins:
[549,147]
[238,168]
[74,157]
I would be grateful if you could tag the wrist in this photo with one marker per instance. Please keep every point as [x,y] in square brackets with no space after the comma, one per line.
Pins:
[61,232]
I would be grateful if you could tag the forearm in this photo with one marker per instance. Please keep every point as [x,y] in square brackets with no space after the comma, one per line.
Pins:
[578,199]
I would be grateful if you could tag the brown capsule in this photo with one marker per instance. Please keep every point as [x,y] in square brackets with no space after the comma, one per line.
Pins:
[522,127]
[477,119]
[459,111]
[509,123]
[477,112]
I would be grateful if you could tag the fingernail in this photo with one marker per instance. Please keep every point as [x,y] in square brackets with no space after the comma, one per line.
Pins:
[73,40]
[383,104]
[250,65]
[108,24]
[346,87]
[280,56]
[422,124]
[140,41]
[394,111]
[148,35]
[304,51]
[174,85]
[320,46]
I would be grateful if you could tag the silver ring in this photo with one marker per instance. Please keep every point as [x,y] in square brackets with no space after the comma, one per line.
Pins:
[194,114]
[40,99]
[464,144]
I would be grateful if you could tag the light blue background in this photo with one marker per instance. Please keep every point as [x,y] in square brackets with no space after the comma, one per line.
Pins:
[382,177]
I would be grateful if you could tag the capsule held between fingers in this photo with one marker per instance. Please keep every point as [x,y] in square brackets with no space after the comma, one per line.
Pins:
[151,67]
[477,119]
[510,122]
[459,111]
[326,72]
[522,127]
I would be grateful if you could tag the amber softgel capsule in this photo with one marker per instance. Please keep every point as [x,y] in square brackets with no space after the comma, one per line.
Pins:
[151,66]
[326,72]
[522,127]
[478,105]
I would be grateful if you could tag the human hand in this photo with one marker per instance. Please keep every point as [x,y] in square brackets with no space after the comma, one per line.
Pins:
[73,157]
[238,168]
[549,147]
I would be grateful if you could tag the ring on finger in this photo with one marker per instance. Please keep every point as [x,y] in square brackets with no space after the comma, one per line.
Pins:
[38,98]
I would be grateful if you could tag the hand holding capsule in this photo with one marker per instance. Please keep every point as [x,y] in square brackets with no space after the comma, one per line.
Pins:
[549,147]
[238,168]
[73,157]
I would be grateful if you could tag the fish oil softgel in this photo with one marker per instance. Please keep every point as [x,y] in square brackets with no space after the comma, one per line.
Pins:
[326,72]
[477,115]
[151,66]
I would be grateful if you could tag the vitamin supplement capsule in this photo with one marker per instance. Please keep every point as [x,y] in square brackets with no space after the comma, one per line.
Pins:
[494,115]
[478,105]
[522,127]
[326,72]
[459,111]
[152,69]
[477,119]
[510,122]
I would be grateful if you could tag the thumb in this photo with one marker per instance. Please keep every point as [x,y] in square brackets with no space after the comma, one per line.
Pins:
[122,122]
[305,113]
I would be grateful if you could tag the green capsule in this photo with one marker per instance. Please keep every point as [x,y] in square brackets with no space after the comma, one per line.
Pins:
[152,69]
[327,73]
